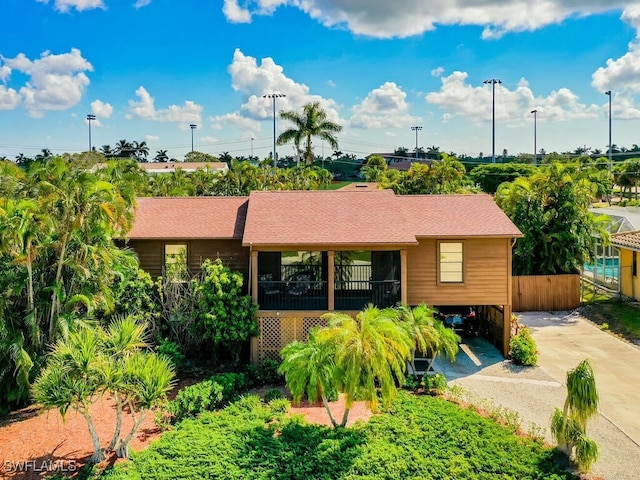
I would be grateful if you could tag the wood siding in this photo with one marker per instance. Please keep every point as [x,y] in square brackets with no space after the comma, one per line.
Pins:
[541,293]
[233,254]
[487,274]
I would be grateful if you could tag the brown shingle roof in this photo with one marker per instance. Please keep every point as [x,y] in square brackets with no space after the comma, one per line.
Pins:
[339,217]
[457,216]
[189,218]
[630,240]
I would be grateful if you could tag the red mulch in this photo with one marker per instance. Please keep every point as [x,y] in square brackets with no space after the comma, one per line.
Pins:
[34,445]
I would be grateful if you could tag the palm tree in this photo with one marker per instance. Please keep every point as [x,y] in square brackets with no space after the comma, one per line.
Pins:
[124,149]
[312,122]
[141,150]
[569,426]
[429,334]
[106,151]
[161,156]
[371,353]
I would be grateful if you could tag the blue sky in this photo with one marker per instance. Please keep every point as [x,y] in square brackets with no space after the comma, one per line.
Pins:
[149,68]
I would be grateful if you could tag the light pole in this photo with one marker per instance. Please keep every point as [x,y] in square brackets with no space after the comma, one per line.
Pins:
[416,129]
[493,82]
[608,92]
[193,127]
[251,148]
[535,133]
[89,118]
[274,96]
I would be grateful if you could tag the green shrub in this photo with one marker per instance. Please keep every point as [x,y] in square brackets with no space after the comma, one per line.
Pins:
[435,384]
[523,349]
[232,384]
[272,394]
[265,374]
[171,350]
[196,399]
[412,382]
[279,405]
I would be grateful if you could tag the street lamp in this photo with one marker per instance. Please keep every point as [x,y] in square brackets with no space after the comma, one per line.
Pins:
[416,129]
[535,147]
[274,96]
[193,127]
[493,82]
[251,148]
[608,92]
[89,118]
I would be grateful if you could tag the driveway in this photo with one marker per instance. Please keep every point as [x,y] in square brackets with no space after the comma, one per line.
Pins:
[563,341]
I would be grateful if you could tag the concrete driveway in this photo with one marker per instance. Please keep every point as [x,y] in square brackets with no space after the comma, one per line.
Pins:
[564,340]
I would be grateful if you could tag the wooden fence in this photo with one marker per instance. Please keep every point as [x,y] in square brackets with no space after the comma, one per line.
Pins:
[546,292]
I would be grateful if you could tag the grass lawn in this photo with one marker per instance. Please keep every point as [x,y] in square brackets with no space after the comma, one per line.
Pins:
[621,317]
[420,437]
[336,185]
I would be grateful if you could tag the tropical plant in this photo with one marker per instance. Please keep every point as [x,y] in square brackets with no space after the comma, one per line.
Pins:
[227,317]
[569,426]
[93,360]
[311,122]
[551,209]
[161,156]
[363,358]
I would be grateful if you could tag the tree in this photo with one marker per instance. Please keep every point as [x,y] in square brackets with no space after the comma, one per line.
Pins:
[161,156]
[569,425]
[106,151]
[227,318]
[91,361]
[124,149]
[312,122]
[200,157]
[489,176]
[371,353]
[551,209]
[140,151]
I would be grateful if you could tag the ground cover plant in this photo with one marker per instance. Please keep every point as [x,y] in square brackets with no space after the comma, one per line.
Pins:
[417,437]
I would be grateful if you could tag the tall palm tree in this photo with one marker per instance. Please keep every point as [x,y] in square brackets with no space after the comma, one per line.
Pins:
[141,150]
[124,149]
[106,151]
[312,122]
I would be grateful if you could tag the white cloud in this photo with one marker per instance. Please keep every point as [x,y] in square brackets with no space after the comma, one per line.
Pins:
[237,121]
[190,112]
[101,109]
[622,74]
[255,80]
[235,13]
[151,138]
[141,3]
[436,72]
[9,98]
[4,73]
[79,5]
[57,82]
[459,98]
[331,83]
[207,139]
[385,19]
[385,106]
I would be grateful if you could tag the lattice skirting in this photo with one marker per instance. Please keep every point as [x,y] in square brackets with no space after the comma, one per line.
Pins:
[277,331]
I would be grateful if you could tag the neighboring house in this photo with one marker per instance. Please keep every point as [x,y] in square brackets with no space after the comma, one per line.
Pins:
[628,243]
[307,252]
[186,167]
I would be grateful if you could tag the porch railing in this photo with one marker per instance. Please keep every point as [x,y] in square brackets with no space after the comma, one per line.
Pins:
[357,294]
[293,295]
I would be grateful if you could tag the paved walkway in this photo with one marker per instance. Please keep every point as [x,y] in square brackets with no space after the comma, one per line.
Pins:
[563,341]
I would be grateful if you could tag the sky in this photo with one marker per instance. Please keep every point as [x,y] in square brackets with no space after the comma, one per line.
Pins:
[148,69]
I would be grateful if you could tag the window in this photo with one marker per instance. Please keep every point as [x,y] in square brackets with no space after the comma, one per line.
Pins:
[451,262]
[175,262]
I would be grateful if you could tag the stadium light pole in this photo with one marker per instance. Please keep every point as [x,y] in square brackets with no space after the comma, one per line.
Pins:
[274,96]
[535,135]
[89,118]
[193,127]
[493,82]
[608,92]
[416,129]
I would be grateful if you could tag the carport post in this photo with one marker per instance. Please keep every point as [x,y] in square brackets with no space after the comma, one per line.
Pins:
[506,331]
